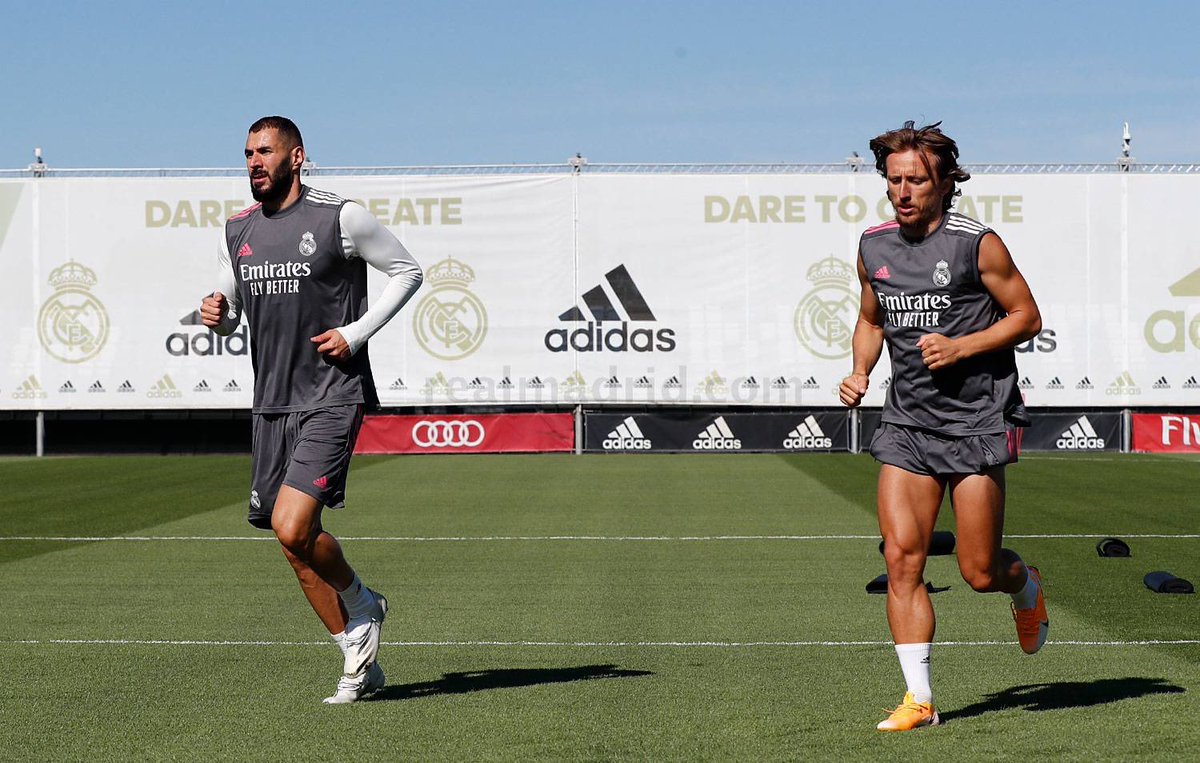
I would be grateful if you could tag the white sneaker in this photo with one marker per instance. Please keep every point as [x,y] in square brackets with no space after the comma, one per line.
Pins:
[353,689]
[361,645]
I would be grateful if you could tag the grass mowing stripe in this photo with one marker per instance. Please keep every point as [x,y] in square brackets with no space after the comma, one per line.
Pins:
[468,538]
[582,644]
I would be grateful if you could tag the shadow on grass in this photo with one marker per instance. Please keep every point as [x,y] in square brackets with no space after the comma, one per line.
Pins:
[1065,694]
[504,678]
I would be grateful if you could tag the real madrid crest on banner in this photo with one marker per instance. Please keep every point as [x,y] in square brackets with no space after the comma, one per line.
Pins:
[72,324]
[941,275]
[826,316]
[450,322]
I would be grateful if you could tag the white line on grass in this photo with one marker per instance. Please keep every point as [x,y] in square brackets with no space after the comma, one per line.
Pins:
[581,644]
[469,538]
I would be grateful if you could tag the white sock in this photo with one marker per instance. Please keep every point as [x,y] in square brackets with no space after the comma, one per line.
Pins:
[1027,596]
[340,640]
[357,598]
[914,663]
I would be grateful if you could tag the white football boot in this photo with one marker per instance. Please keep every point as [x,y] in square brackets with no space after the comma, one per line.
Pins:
[361,645]
[352,689]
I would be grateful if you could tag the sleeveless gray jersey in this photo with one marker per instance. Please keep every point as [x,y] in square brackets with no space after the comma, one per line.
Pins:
[294,282]
[933,287]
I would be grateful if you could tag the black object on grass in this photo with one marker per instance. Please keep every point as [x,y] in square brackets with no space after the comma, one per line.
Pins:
[940,544]
[1114,548]
[1165,582]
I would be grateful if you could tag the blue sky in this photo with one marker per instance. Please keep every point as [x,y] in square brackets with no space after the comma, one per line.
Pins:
[139,84]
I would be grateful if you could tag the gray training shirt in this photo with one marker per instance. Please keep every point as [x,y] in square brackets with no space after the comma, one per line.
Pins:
[298,273]
[933,287]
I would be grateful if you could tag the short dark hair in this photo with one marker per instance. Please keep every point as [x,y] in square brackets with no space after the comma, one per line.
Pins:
[926,141]
[286,127]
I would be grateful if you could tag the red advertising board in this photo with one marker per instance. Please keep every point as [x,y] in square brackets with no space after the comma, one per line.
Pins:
[468,433]
[1166,432]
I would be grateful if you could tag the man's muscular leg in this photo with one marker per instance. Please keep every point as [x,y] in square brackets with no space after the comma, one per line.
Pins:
[978,501]
[908,506]
[315,555]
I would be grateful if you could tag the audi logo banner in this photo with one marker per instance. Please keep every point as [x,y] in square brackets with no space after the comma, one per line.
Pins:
[459,433]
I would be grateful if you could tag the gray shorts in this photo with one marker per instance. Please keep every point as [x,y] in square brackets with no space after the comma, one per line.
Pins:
[306,450]
[922,451]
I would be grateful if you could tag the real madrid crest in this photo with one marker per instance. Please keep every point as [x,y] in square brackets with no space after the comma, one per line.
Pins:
[308,245]
[941,275]
[826,316]
[72,324]
[450,322]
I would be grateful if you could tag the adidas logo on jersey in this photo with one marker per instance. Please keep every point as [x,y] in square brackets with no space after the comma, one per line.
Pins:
[612,382]
[535,383]
[1191,383]
[627,436]
[67,387]
[780,382]
[717,436]
[125,387]
[476,383]
[1084,383]
[673,383]
[810,383]
[807,435]
[232,386]
[96,387]
[397,385]
[1162,383]
[1055,383]
[749,383]
[202,386]
[1025,383]
[1081,436]
[643,383]
[505,383]
[595,337]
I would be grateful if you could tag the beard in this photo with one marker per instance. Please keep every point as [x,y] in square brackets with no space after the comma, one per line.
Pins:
[277,189]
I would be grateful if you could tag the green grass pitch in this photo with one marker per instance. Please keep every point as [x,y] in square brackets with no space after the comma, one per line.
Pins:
[596,608]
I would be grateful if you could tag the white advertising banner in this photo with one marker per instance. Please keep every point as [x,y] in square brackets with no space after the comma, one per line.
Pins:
[600,288]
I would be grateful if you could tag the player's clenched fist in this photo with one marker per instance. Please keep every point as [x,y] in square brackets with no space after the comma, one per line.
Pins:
[211,309]
[853,388]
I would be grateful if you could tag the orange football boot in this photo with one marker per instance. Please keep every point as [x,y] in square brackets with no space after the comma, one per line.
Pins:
[1032,623]
[910,715]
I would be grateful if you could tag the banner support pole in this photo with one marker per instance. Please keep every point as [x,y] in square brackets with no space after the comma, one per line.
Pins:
[40,429]
[578,430]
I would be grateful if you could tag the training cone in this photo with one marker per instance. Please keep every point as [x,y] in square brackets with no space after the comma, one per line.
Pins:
[940,544]
[879,585]
[1165,582]
[1113,548]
